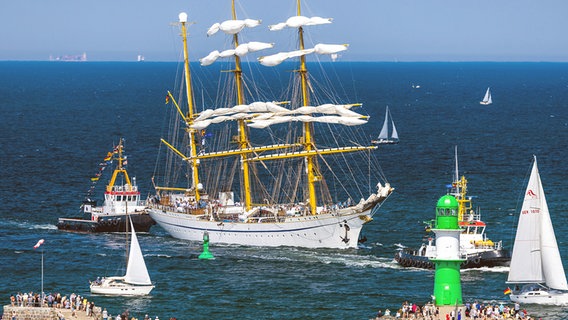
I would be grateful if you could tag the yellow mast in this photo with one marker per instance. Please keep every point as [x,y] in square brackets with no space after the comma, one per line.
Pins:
[190,107]
[308,138]
[243,139]
[464,202]
[118,169]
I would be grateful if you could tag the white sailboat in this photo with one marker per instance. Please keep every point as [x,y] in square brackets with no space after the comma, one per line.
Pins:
[384,137]
[487,98]
[266,182]
[136,281]
[536,260]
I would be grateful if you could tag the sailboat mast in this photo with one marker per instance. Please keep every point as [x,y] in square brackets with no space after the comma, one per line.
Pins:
[308,136]
[243,138]
[194,162]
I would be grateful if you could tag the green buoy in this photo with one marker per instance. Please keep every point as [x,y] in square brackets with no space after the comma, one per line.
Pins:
[206,254]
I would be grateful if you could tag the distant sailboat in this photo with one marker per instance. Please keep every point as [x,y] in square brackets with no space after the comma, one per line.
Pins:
[487,99]
[383,137]
[536,260]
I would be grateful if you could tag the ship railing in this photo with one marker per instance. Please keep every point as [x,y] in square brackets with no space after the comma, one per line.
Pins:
[472,216]
[124,188]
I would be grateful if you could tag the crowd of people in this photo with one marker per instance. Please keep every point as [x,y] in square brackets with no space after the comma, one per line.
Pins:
[472,311]
[73,302]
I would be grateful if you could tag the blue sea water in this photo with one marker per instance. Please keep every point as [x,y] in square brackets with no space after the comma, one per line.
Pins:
[59,119]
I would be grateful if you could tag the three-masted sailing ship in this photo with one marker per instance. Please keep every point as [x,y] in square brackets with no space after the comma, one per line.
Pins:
[266,173]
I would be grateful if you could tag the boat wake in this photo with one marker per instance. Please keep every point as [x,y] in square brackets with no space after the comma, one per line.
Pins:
[500,269]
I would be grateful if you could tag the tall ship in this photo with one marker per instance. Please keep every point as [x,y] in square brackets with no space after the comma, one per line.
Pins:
[267,173]
[121,199]
[475,247]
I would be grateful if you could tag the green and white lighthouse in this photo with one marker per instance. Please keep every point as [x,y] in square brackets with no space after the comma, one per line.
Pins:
[447,283]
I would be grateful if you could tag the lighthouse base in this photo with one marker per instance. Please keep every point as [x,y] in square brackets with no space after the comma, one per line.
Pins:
[449,310]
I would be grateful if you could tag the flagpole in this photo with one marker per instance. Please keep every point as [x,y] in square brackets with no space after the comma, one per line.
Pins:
[41,295]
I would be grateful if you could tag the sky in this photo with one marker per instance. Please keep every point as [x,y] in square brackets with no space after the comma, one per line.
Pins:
[376,30]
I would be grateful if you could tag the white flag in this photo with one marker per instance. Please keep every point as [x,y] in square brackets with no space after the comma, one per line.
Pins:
[39,243]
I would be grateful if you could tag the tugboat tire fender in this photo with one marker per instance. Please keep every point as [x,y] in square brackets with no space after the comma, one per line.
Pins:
[477,260]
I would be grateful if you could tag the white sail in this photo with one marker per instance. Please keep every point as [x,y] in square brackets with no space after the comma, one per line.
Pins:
[136,272]
[299,21]
[347,121]
[487,98]
[552,267]
[264,114]
[232,26]
[536,258]
[394,132]
[384,137]
[384,134]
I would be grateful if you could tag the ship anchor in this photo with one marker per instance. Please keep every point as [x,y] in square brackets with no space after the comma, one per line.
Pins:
[347,228]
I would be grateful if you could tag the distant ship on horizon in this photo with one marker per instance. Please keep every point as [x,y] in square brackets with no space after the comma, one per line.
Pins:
[140,58]
[78,57]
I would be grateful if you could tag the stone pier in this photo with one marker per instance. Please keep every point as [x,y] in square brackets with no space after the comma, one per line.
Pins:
[46,313]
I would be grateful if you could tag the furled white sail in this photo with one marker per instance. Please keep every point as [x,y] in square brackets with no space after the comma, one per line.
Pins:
[278,58]
[210,58]
[253,46]
[232,26]
[257,106]
[536,258]
[264,114]
[299,21]
[136,272]
[347,121]
[321,48]
[241,50]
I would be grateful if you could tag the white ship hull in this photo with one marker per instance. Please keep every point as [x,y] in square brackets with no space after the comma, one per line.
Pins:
[321,231]
[542,297]
[116,287]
